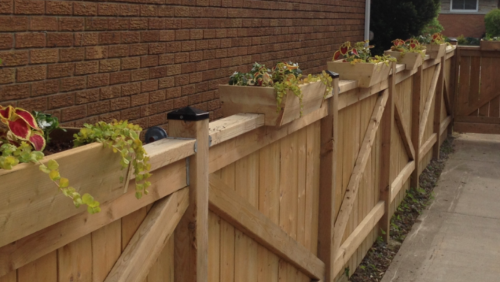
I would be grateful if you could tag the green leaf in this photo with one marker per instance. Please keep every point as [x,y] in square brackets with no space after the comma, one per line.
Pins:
[44,168]
[54,175]
[87,199]
[52,165]
[63,182]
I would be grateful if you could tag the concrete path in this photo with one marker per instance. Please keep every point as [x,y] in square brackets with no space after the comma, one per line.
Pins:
[458,237]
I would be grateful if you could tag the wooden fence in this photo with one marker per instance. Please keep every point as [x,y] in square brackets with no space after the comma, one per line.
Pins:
[478,94]
[296,203]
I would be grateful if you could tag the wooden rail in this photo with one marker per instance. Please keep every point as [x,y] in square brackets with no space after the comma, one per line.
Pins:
[297,203]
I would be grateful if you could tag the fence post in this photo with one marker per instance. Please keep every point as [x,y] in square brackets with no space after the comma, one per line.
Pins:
[329,140]
[386,126]
[415,123]
[191,235]
[437,110]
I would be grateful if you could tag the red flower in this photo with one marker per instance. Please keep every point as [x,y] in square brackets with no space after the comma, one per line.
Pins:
[355,52]
[336,56]
[344,48]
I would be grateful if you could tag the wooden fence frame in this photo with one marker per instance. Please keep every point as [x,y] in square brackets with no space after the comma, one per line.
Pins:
[182,199]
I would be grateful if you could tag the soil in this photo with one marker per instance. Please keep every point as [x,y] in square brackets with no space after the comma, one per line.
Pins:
[380,256]
[56,146]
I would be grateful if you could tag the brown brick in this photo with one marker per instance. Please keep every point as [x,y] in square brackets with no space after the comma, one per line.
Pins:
[60,70]
[166,11]
[98,108]
[59,40]
[149,61]
[6,41]
[59,8]
[44,23]
[166,59]
[97,80]
[129,10]
[29,7]
[119,77]
[140,99]
[108,9]
[167,35]
[109,65]
[181,58]
[138,23]
[131,89]
[86,68]
[157,72]
[181,102]
[44,88]
[166,82]
[150,36]
[157,48]
[106,38]
[130,63]
[157,96]
[86,38]
[131,37]
[7,75]
[87,96]
[14,58]
[72,54]
[71,24]
[31,73]
[97,52]
[73,83]
[182,34]
[158,119]
[84,9]
[94,23]
[150,85]
[116,51]
[6,6]
[149,10]
[138,49]
[174,69]
[110,92]
[120,103]
[142,122]
[118,24]
[61,100]
[173,92]
[30,40]
[110,117]
[131,113]
[156,23]
[89,120]
[14,92]
[34,104]
[44,56]
[141,74]
[73,113]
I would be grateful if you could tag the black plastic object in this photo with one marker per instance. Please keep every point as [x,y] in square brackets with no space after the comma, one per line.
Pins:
[188,114]
[333,74]
[155,133]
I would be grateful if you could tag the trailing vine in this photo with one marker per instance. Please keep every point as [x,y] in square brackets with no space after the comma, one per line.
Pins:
[284,78]
[123,138]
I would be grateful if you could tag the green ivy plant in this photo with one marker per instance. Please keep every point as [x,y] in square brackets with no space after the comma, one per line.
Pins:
[283,77]
[47,123]
[123,138]
[360,53]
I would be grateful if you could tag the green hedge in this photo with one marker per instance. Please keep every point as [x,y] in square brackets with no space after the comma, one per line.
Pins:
[492,21]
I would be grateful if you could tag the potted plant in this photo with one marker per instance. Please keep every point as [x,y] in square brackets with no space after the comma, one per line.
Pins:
[490,43]
[282,94]
[36,187]
[410,53]
[435,45]
[356,63]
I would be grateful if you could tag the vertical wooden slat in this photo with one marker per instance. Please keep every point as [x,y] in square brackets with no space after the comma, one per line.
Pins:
[316,186]
[301,183]
[213,248]
[437,110]
[495,107]
[106,249]
[241,269]
[328,171]
[415,123]
[475,70]
[130,224]
[75,261]
[163,269]
[227,235]
[42,269]
[386,135]
[191,235]
[464,85]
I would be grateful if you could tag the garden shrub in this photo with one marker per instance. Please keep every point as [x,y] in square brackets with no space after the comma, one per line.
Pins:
[492,21]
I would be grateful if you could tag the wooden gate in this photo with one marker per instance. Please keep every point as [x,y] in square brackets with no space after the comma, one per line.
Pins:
[478,95]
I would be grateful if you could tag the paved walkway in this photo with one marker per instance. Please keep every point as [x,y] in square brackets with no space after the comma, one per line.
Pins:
[458,238]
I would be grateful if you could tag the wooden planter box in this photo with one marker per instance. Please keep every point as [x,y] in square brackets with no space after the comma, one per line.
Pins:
[365,74]
[490,45]
[410,60]
[262,100]
[30,201]
[436,51]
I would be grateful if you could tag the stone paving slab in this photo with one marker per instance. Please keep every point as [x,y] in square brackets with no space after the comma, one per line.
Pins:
[458,237]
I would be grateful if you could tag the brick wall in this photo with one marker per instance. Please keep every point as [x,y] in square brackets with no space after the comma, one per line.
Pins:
[86,61]
[468,25]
